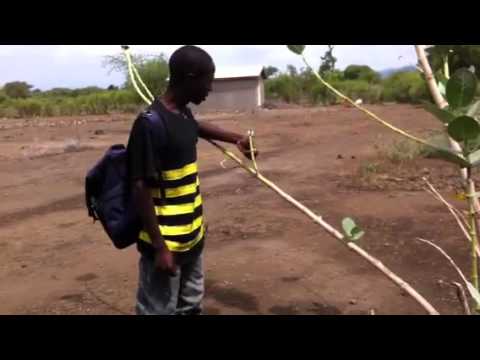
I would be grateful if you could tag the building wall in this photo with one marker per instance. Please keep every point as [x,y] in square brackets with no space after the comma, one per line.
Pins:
[234,95]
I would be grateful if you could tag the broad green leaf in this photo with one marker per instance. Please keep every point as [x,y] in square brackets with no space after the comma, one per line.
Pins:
[297,49]
[461,88]
[348,225]
[351,230]
[448,155]
[464,128]
[474,293]
[357,233]
[443,115]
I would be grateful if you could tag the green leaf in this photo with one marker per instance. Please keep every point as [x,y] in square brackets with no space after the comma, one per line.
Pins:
[461,88]
[297,49]
[443,115]
[357,233]
[474,293]
[464,128]
[351,230]
[449,156]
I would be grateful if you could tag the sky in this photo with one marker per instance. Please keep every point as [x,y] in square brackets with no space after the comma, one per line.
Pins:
[74,66]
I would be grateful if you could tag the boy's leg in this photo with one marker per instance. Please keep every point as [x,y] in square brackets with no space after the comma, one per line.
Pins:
[157,291]
[191,290]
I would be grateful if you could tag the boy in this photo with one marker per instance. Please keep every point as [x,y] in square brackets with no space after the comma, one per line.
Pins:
[165,186]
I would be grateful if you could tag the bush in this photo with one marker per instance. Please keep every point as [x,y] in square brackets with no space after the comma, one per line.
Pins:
[3,96]
[321,95]
[361,72]
[284,87]
[68,107]
[9,112]
[49,109]
[406,87]
[29,107]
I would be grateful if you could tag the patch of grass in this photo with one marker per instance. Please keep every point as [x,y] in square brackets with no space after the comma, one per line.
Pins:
[369,171]
[370,168]
[404,150]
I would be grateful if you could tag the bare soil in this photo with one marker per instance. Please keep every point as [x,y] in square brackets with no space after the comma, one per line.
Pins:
[262,255]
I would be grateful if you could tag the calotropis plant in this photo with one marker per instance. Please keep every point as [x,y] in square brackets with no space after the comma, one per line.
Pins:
[461,124]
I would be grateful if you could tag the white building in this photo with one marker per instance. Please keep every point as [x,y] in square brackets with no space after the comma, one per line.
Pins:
[235,89]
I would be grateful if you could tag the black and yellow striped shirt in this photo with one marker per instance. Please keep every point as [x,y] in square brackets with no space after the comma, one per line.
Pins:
[167,161]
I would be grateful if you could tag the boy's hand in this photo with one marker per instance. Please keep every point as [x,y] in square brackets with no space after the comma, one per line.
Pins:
[244,146]
[165,262]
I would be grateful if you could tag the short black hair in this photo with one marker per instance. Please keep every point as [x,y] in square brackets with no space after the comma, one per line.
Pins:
[188,61]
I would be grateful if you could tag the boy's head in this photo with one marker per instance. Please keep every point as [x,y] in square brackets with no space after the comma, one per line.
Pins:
[192,71]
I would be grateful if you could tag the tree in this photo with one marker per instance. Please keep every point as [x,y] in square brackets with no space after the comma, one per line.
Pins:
[112,88]
[328,61]
[361,72]
[18,89]
[459,56]
[270,71]
[152,69]
[292,70]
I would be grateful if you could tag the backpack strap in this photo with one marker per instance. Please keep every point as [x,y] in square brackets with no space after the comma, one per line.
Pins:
[159,127]
[160,133]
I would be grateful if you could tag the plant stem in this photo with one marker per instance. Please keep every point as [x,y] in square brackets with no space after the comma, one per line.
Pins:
[462,222]
[473,228]
[432,84]
[446,68]
[462,297]
[333,232]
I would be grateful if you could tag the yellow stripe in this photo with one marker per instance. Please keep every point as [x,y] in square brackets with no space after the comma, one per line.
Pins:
[176,246]
[178,174]
[178,191]
[181,229]
[170,210]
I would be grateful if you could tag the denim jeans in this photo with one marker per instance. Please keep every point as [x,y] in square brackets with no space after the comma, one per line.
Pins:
[161,294]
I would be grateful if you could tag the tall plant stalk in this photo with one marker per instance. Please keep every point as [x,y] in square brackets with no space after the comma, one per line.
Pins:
[466,173]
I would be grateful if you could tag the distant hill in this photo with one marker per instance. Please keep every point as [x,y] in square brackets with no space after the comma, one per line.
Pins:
[387,72]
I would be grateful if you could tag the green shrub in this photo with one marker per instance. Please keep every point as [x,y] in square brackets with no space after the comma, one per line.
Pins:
[9,112]
[3,96]
[29,107]
[284,87]
[361,72]
[405,87]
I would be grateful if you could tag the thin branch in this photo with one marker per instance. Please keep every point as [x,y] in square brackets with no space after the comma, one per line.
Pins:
[462,297]
[453,209]
[455,212]
[450,260]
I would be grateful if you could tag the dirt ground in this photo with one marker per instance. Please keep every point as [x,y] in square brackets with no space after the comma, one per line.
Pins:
[262,255]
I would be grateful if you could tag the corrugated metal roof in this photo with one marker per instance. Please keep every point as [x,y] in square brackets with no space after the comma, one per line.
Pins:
[226,72]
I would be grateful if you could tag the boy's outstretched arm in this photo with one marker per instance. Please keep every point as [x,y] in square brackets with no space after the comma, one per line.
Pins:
[212,132]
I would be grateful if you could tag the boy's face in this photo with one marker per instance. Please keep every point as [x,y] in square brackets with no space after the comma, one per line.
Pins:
[200,86]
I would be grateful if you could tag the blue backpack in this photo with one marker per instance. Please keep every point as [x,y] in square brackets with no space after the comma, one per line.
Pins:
[107,191]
